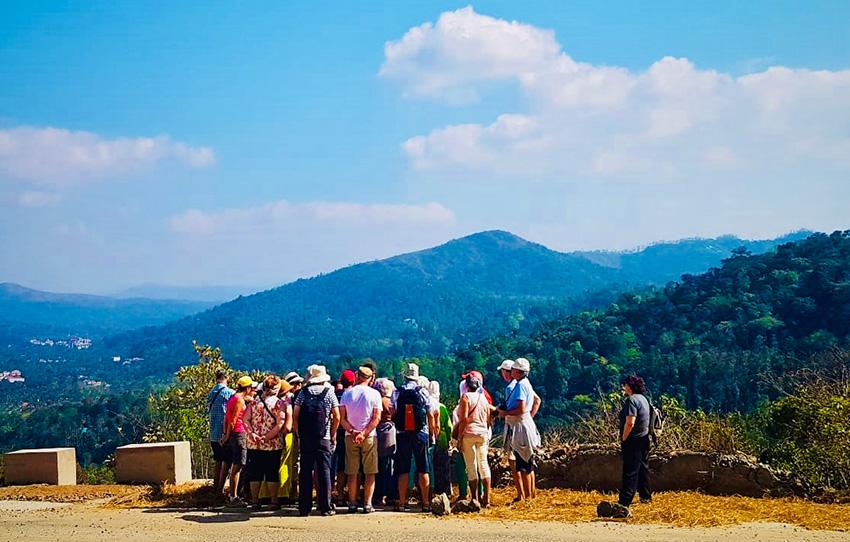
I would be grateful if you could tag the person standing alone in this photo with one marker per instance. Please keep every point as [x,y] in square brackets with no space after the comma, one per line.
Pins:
[634,438]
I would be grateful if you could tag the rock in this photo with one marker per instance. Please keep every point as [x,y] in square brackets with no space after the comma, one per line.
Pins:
[441,505]
[619,511]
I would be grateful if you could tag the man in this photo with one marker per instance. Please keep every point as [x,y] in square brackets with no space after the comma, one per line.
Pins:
[634,438]
[347,379]
[411,404]
[360,412]
[217,409]
[315,420]
[522,437]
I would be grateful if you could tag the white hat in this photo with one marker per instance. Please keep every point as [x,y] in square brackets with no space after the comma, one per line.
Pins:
[434,389]
[293,378]
[317,374]
[522,364]
[412,372]
[507,365]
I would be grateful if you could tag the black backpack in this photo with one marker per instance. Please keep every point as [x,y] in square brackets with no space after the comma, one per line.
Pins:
[313,416]
[411,413]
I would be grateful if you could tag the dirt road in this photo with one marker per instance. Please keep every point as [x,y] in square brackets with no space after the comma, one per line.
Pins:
[89,522]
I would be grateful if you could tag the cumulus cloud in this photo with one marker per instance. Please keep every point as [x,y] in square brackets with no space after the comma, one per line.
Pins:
[60,158]
[582,119]
[282,214]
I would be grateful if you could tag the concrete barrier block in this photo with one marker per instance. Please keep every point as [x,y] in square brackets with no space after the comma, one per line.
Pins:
[57,466]
[154,463]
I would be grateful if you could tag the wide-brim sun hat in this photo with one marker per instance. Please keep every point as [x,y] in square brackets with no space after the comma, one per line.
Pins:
[412,372]
[522,364]
[317,374]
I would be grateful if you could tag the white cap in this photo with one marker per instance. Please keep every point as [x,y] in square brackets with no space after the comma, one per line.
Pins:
[507,365]
[522,364]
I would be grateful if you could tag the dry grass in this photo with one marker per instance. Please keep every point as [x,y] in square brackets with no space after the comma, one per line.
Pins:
[186,496]
[68,494]
[679,509]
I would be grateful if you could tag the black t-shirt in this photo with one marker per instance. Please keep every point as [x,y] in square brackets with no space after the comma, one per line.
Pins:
[635,405]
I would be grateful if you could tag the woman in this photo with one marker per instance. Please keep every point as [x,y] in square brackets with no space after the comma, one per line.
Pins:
[474,416]
[266,421]
[234,438]
[442,461]
[386,487]
[290,385]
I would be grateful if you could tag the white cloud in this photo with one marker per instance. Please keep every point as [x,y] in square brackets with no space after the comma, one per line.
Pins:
[60,158]
[580,119]
[283,215]
[38,199]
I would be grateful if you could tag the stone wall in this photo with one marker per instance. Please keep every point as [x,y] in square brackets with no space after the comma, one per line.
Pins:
[600,468]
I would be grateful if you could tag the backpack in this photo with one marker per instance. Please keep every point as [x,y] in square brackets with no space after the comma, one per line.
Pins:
[656,423]
[313,416]
[411,414]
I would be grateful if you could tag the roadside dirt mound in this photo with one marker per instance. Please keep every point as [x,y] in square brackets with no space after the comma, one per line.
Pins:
[600,468]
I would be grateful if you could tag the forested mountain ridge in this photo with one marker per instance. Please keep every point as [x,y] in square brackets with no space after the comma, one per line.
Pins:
[425,303]
[709,339]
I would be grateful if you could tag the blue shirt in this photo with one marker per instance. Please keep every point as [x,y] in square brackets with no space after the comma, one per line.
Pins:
[217,407]
[520,391]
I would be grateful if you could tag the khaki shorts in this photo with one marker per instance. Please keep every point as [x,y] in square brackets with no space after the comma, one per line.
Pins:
[366,452]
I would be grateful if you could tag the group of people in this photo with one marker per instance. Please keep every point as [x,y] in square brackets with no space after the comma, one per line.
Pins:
[372,440]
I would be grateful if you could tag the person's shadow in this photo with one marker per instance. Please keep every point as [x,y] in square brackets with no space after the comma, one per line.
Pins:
[221,517]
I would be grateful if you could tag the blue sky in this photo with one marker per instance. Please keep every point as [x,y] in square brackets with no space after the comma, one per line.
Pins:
[209,143]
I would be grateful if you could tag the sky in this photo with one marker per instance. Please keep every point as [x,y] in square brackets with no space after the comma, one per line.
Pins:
[252,143]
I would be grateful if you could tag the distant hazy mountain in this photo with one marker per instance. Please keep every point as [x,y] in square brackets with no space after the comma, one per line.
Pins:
[39,311]
[425,302]
[662,262]
[212,294]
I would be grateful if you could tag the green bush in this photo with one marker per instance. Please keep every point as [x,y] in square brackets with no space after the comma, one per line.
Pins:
[808,431]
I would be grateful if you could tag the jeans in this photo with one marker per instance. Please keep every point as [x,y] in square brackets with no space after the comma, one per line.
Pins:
[315,456]
[635,470]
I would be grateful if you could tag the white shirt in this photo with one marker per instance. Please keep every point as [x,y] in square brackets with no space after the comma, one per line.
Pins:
[360,403]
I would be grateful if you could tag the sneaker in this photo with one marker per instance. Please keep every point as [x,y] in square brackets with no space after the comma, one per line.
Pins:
[352,508]
[327,513]
[368,509]
[236,502]
[646,501]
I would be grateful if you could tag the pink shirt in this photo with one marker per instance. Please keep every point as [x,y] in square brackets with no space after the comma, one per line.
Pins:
[239,426]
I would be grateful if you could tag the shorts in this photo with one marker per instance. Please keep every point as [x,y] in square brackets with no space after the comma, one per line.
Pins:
[263,465]
[366,453]
[219,452]
[237,448]
[412,446]
[523,465]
